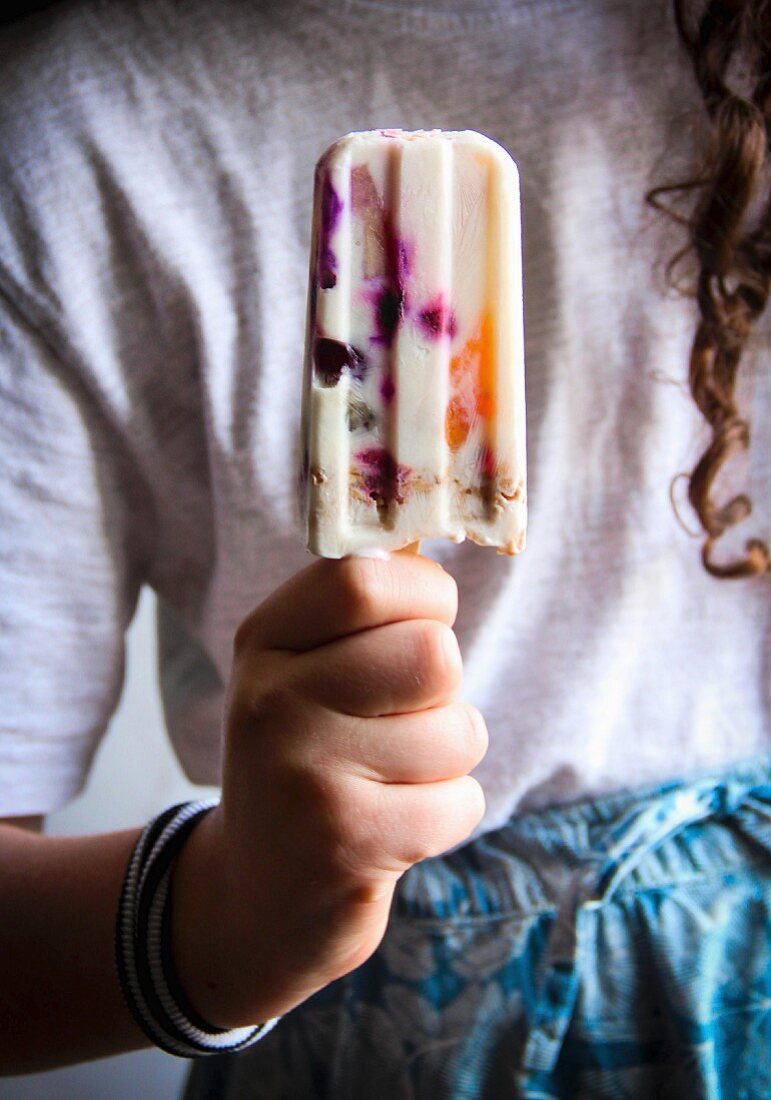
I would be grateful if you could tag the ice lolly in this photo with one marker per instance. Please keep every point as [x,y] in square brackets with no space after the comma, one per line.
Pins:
[413,408]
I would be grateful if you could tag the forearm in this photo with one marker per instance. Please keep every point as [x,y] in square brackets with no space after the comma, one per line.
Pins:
[347,760]
[60,1001]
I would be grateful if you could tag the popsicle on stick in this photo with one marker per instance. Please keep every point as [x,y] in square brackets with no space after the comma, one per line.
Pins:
[414,412]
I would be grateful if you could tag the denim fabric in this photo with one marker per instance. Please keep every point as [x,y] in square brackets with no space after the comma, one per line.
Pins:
[607,949]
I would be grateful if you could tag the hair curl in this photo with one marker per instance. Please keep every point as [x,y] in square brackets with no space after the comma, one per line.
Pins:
[729,230]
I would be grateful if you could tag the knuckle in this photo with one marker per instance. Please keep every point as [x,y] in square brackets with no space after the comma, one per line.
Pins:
[316,796]
[245,632]
[451,586]
[475,802]
[414,840]
[377,830]
[480,808]
[270,701]
[462,810]
[416,851]
[262,697]
[438,657]
[362,587]
[476,735]
[434,584]
[354,830]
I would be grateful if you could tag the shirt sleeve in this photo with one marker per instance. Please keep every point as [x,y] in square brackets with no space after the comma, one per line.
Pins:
[74,530]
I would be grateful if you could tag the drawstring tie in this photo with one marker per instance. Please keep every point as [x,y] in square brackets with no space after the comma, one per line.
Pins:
[593,885]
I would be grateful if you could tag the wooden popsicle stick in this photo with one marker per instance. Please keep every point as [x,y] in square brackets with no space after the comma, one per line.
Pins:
[411,548]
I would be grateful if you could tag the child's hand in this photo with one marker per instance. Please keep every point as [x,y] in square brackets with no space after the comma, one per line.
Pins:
[346,760]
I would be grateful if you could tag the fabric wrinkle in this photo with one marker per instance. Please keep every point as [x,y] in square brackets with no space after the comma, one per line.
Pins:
[638,834]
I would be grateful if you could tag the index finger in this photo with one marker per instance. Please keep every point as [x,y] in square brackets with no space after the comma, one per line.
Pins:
[332,598]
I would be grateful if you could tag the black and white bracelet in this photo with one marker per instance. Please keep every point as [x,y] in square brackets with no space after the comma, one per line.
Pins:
[142,945]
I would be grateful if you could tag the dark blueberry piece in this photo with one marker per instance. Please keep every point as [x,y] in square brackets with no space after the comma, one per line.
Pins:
[327,269]
[390,308]
[387,389]
[432,320]
[331,207]
[437,320]
[332,357]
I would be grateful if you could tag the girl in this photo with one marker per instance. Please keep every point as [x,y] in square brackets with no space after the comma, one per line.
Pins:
[604,932]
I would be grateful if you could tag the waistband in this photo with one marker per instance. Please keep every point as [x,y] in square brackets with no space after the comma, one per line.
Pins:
[573,860]
[589,850]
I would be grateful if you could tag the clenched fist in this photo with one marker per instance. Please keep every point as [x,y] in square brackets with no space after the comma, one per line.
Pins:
[347,753]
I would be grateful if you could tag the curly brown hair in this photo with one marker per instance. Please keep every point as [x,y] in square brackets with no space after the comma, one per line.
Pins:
[729,231]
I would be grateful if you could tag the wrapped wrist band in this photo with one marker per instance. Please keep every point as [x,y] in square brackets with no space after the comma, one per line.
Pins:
[142,945]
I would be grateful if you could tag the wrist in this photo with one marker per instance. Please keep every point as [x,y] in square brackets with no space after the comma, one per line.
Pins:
[200,935]
[229,949]
[143,955]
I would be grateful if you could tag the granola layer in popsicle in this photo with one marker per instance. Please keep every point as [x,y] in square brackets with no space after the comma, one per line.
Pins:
[414,412]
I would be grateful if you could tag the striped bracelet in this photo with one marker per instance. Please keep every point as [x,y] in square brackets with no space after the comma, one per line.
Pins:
[147,979]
